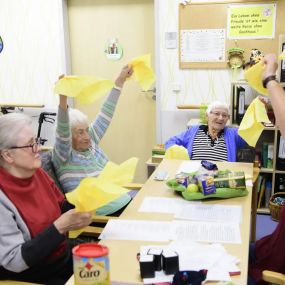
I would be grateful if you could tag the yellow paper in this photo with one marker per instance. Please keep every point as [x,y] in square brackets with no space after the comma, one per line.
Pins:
[143,72]
[254,77]
[251,125]
[177,152]
[85,89]
[120,174]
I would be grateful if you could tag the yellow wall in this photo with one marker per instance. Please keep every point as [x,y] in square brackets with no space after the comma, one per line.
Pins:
[91,23]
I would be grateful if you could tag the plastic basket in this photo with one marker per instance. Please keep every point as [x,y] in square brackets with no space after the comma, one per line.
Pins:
[274,208]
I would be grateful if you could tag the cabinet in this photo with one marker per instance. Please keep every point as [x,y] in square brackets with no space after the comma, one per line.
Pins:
[270,154]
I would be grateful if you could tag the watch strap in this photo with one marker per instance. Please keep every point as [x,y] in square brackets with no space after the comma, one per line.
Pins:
[267,79]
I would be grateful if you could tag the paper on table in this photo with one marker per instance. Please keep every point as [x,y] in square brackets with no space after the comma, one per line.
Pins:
[162,205]
[251,125]
[86,89]
[189,166]
[207,231]
[213,213]
[143,72]
[137,230]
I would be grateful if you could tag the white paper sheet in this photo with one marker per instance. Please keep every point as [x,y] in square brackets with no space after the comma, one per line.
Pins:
[175,230]
[163,205]
[138,230]
[203,45]
[189,166]
[213,213]
[207,231]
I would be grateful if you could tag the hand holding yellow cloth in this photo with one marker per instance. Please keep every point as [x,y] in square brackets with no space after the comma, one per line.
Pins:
[251,125]
[86,89]
[143,72]
[177,152]
[254,76]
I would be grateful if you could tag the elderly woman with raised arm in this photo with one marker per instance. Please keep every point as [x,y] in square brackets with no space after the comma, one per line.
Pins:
[214,141]
[76,152]
[35,217]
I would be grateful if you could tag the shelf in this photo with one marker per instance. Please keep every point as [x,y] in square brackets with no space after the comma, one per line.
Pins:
[263,211]
[280,171]
[266,170]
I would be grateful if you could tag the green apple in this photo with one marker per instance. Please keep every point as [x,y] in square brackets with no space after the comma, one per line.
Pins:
[192,188]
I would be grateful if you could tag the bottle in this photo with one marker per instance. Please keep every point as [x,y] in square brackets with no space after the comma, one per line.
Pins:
[280,159]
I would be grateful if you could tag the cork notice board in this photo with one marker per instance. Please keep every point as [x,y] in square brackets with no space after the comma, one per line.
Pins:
[199,16]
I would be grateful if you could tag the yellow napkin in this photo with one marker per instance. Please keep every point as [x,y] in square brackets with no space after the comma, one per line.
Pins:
[120,174]
[86,89]
[95,192]
[251,125]
[143,72]
[254,77]
[177,152]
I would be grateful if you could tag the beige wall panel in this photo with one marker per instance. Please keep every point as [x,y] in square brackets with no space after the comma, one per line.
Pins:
[91,23]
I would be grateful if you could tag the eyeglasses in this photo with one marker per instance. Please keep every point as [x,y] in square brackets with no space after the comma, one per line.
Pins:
[34,146]
[217,114]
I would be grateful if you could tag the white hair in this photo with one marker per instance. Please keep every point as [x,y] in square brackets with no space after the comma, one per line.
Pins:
[217,104]
[77,117]
[10,126]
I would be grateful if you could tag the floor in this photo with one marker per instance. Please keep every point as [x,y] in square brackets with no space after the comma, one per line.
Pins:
[264,225]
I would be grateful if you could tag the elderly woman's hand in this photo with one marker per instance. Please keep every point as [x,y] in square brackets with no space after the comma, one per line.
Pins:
[72,220]
[126,72]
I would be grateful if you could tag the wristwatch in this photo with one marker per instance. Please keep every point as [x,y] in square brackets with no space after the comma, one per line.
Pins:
[267,79]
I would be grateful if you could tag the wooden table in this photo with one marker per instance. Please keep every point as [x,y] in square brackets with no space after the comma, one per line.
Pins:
[124,267]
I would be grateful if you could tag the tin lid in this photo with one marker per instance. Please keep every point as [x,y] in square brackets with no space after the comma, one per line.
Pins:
[90,250]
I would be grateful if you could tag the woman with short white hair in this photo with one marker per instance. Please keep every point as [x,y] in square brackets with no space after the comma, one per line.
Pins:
[214,141]
[35,217]
[77,153]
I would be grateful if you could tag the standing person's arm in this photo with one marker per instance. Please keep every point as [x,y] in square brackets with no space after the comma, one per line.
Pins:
[277,94]
[103,119]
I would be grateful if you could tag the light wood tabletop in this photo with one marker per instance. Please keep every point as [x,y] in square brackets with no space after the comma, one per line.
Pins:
[124,267]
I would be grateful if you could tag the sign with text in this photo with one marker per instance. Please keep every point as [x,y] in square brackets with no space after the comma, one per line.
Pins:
[253,21]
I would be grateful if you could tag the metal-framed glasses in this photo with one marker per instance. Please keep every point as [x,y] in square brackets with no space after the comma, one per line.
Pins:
[34,146]
[218,114]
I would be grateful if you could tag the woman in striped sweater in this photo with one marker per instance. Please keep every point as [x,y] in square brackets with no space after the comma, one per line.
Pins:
[76,152]
[214,141]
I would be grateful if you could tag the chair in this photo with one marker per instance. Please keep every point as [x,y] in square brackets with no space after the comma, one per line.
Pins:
[273,277]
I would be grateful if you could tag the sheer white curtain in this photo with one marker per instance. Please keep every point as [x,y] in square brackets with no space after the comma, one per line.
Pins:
[34,54]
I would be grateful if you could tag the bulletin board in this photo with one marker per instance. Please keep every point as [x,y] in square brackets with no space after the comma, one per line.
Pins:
[214,16]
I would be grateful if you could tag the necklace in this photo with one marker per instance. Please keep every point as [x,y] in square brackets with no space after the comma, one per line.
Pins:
[212,142]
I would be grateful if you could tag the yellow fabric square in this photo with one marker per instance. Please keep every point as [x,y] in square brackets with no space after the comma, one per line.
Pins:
[251,125]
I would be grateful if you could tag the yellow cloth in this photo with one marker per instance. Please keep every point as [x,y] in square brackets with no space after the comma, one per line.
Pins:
[251,125]
[86,89]
[177,152]
[254,78]
[143,72]
[95,192]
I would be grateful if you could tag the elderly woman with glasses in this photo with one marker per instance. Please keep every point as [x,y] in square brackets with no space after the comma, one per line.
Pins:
[35,217]
[214,141]
[76,152]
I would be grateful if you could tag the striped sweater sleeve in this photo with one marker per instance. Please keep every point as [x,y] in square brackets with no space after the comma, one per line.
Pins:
[99,127]
[63,142]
